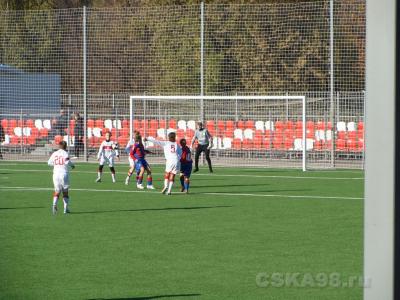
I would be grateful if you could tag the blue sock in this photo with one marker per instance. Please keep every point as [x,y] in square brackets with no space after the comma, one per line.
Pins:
[186,185]
[182,181]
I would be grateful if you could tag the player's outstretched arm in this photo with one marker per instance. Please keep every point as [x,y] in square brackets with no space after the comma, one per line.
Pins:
[51,161]
[69,163]
[193,140]
[154,141]
[100,150]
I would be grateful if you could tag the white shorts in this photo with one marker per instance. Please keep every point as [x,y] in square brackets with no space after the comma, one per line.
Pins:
[61,182]
[172,167]
[107,160]
[131,162]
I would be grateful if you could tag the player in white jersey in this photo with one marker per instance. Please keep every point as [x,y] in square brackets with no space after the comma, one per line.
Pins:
[60,162]
[108,151]
[172,153]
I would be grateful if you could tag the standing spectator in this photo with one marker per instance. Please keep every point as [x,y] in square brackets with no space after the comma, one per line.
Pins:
[59,124]
[79,134]
[204,138]
[2,139]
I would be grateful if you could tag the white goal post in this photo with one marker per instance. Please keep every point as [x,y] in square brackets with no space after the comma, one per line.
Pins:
[251,115]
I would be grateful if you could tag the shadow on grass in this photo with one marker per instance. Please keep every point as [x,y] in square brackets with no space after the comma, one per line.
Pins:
[150,209]
[7,208]
[149,297]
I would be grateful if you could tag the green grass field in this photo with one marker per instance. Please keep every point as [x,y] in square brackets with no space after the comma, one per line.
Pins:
[120,243]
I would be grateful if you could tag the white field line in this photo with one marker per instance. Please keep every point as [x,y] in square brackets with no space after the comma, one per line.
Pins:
[29,189]
[209,175]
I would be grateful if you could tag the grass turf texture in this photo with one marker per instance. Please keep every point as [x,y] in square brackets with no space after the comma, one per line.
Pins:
[210,244]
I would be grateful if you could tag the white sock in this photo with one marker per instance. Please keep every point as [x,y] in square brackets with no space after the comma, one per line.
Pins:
[98,174]
[65,200]
[165,183]
[113,176]
[55,199]
[170,184]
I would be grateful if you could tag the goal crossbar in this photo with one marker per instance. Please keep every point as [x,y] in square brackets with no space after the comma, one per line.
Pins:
[255,97]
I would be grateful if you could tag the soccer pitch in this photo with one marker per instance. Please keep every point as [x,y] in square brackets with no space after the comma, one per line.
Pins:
[121,243]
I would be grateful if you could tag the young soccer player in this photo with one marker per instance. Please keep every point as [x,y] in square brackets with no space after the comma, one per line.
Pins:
[107,152]
[172,153]
[186,166]
[60,162]
[138,154]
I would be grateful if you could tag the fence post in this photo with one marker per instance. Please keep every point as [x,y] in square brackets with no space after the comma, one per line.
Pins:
[85,152]
[332,78]
[202,60]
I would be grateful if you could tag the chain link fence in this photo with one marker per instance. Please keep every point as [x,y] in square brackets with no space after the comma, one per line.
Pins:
[54,64]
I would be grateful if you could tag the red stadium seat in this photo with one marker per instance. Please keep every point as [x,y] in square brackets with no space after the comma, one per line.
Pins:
[90,123]
[352,135]
[30,123]
[180,134]
[189,135]
[289,125]
[329,126]
[237,144]
[340,145]
[162,124]
[289,134]
[310,125]
[229,133]
[288,144]
[278,133]
[360,134]
[35,132]
[230,125]
[310,134]
[137,125]
[299,125]
[277,143]
[153,124]
[360,125]
[43,132]
[249,124]
[361,145]
[144,125]
[351,145]
[212,131]
[210,125]
[279,126]
[320,125]
[31,140]
[172,124]
[125,123]
[341,135]
[57,139]
[220,126]
[267,143]
[14,140]
[99,123]
[258,141]
[4,124]
[327,145]
[317,145]
[240,125]
[258,134]
[123,140]
[247,144]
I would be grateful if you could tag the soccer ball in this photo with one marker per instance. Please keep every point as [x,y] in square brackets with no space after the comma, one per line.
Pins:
[115,146]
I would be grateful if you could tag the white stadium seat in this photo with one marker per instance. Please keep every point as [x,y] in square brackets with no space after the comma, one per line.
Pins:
[328,135]
[18,131]
[182,124]
[260,125]
[47,124]
[117,124]
[108,124]
[39,124]
[226,143]
[26,131]
[191,125]
[89,132]
[351,126]
[248,133]
[320,135]
[238,133]
[341,126]
[97,132]
[269,125]
[161,133]
[6,140]
[298,144]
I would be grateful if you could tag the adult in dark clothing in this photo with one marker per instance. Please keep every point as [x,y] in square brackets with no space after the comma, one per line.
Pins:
[204,139]
[2,139]
[79,134]
[60,123]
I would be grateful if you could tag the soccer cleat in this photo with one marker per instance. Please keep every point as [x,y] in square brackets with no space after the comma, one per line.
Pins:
[150,187]
[182,189]
[195,170]
[164,190]
[140,186]
[67,211]
[54,209]
[98,179]
[169,194]
[127,181]
[113,180]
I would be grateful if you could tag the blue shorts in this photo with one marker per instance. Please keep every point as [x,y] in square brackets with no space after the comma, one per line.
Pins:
[186,169]
[141,163]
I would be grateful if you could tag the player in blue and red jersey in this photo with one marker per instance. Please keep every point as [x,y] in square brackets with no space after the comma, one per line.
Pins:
[186,166]
[138,154]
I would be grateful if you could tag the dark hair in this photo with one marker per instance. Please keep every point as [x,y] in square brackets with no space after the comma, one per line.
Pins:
[182,140]
[63,145]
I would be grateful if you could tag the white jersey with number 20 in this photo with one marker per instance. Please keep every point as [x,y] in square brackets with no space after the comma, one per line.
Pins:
[60,162]
[172,153]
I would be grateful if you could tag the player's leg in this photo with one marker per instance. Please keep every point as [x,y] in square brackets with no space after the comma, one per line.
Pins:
[199,149]
[187,173]
[166,180]
[207,154]
[182,180]
[100,170]
[139,182]
[131,170]
[149,178]
[170,182]
[112,169]
[65,187]
[56,193]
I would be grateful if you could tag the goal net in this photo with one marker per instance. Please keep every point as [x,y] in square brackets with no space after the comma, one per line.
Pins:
[262,131]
